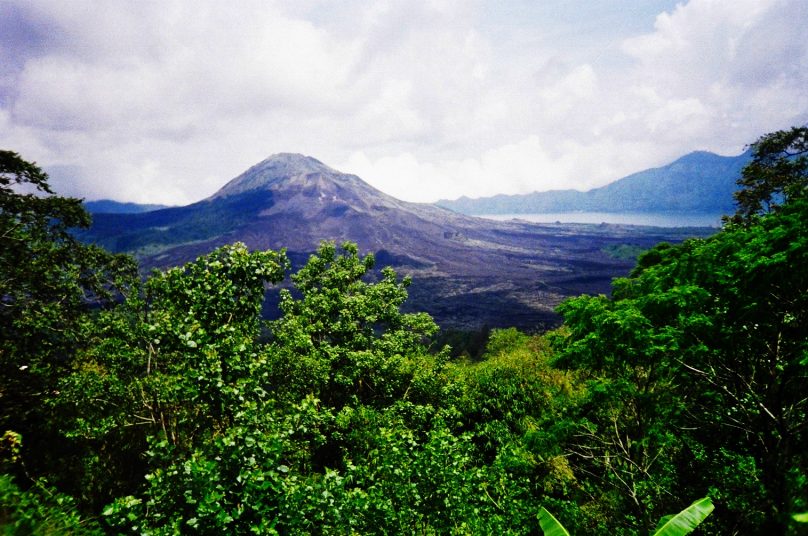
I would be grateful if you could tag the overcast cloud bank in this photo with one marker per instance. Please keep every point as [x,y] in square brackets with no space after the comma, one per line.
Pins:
[164,102]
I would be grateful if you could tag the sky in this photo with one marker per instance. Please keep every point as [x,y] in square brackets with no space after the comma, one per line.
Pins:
[165,101]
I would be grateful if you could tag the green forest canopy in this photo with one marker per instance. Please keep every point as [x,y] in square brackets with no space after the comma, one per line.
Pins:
[167,405]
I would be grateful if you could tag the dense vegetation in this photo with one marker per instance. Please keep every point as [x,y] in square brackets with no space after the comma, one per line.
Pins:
[167,406]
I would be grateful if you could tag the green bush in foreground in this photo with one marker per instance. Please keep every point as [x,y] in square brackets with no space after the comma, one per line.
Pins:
[40,511]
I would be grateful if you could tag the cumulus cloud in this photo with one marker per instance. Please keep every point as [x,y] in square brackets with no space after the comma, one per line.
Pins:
[166,101]
[738,67]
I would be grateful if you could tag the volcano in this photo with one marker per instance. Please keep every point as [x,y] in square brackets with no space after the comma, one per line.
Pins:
[467,272]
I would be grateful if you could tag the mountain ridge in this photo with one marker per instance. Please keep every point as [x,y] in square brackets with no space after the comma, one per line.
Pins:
[110,206]
[699,182]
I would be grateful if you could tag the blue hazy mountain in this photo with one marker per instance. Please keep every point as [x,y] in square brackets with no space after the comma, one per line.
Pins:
[108,206]
[697,183]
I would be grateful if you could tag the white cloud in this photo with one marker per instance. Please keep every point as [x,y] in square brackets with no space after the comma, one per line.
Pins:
[728,71]
[166,101]
[520,167]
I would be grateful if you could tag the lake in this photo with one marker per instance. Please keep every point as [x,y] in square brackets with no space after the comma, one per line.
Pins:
[656,219]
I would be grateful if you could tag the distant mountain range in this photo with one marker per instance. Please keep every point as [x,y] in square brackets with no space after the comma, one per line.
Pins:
[698,183]
[468,271]
[108,206]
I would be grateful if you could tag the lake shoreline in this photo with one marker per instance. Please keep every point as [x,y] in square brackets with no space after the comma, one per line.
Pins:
[645,219]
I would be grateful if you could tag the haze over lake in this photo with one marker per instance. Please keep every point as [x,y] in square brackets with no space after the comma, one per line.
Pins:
[655,219]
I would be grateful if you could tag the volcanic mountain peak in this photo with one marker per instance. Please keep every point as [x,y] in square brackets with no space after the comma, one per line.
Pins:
[277,168]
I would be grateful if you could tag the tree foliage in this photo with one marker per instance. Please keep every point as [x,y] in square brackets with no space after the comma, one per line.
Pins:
[49,282]
[699,360]
[344,339]
[777,173]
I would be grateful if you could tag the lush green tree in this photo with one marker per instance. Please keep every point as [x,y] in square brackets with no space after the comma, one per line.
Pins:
[626,438]
[305,427]
[751,368]
[699,362]
[47,278]
[171,366]
[517,410]
[777,173]
[49,285]
[345,339]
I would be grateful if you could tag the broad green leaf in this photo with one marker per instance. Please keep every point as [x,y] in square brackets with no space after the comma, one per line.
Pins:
[801,518]
[685,521]
[550,525]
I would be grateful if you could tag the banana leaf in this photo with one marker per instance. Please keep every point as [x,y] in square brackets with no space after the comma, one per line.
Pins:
[550,525]
[685,521]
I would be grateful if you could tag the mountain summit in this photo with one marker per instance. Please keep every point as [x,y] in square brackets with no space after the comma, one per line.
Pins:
[298,186]
[277,168]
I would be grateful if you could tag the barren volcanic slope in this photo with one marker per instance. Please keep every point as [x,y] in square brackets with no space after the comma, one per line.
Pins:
[467,272]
